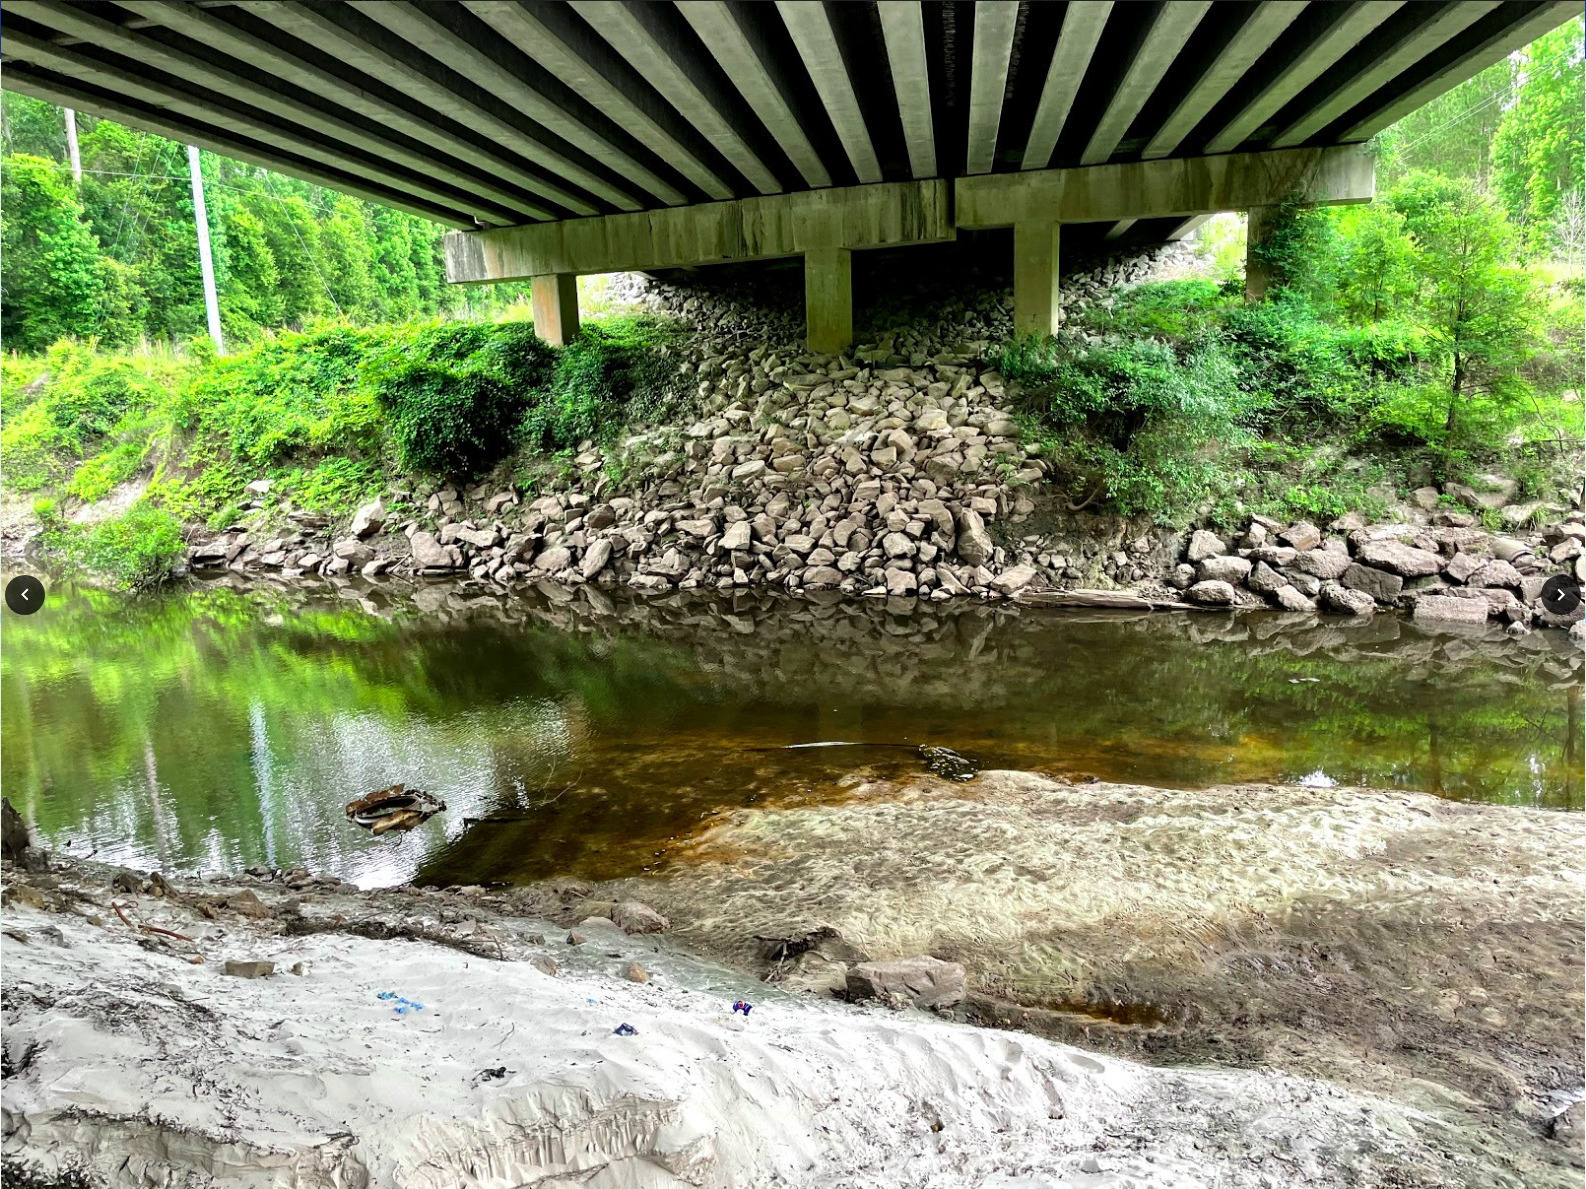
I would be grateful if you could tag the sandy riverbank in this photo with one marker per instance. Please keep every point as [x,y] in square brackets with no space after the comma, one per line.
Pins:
[1269,985]
[1398,943]
[152,1070]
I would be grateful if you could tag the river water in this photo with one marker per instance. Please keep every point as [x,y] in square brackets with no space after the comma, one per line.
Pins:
[219,726]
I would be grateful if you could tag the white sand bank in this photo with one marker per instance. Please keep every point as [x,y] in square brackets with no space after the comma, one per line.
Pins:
[161,1073]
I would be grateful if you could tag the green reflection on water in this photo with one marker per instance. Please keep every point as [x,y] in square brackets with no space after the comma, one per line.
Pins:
[218,728]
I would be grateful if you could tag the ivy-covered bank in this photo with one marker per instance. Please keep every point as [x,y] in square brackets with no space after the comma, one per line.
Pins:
[122,456]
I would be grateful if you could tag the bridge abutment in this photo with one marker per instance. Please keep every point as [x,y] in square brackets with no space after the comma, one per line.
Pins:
[826,226]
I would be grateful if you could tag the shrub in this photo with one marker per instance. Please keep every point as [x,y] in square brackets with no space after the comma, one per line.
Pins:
[1133,420]
[136,550]
[610,375]
[456,394]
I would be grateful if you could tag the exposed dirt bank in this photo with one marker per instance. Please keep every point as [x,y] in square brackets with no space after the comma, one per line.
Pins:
[1413,947]
[124,1055]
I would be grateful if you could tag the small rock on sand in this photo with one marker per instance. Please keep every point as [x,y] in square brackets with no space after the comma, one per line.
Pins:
[248,969]
[923,981]
[634,916]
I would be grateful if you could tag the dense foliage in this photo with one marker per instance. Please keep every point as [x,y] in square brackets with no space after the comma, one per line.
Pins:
[327,416]
[1425,336]
[1406,334]
[1517,131]
[115,256]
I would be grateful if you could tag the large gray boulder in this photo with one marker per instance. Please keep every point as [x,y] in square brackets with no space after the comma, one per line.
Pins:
[1325,564]
[1448,609]
[595,558]
[1496,573]
[974,542]
[1405,560]
[922,981]
[429,553]
[1379,584]
[1223,569]
[1203,544]
[1211,594]
[1462,565]
[1301,535]
[368,519]
[1336,596]
[1012,581]
[1291,599]
[1265,580]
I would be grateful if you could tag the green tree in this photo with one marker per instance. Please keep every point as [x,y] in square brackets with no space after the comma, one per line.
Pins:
[1453,134]
[1475,304]
[250,296]
[1539,150]
[1377,258]
[53,281]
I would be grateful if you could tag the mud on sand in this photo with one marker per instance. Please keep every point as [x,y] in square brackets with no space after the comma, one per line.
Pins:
[1422,949]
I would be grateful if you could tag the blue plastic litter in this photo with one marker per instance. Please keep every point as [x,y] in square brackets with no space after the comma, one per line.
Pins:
[626,1030]
[743,1006]
[399,1004]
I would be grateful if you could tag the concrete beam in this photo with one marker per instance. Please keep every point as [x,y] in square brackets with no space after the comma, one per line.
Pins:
[1308,65]
[315,29]
[810,27]
[1037,299]
[829,300]
[621,29]
[195,106]
[1170,29]
[117,106]
[1083,21]
[1390,60]
[995,24]
[555,303]
[536,40]
[884,215]
[1183,230]
[1467,65]
[1265,23]
[719,30]
[903,28]
[1157,189]
[421,29]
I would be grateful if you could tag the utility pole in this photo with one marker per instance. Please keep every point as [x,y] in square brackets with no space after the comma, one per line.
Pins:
[205,263]
[71,146]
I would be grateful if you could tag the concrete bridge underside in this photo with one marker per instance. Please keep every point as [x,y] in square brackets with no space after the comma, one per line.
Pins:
[574,136]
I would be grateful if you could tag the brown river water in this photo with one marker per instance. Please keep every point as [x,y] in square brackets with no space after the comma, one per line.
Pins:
[216,727]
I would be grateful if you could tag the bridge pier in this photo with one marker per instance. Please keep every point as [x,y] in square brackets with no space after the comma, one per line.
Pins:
[1037,300]
[828,300]
[1259,273]
[555,303]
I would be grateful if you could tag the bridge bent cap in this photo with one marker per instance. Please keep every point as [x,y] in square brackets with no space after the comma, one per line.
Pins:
[503,113]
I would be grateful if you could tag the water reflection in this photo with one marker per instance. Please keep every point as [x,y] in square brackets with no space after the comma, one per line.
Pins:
[216,728]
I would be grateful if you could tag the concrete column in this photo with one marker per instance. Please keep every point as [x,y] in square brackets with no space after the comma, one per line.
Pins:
[829,299]
[1037,302]
[1258,274]
[556,308]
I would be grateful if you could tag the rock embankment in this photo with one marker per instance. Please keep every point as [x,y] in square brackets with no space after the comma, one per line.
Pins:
[1449,572]
[900,469]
